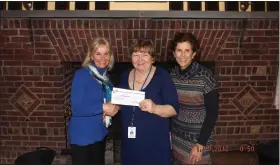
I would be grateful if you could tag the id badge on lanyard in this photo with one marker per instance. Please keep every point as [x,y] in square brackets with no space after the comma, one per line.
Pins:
[132,129]
[131,132]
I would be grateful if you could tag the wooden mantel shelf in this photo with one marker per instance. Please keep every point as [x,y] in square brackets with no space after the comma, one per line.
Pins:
[139,14]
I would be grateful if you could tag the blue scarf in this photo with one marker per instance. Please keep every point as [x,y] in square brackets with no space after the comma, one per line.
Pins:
[107,86]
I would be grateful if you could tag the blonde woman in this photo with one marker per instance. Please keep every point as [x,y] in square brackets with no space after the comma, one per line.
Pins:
[91,107]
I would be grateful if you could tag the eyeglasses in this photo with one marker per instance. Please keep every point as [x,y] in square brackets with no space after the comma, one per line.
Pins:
[142,55]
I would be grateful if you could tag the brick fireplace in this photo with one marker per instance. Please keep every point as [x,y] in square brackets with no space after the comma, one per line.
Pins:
[39,55]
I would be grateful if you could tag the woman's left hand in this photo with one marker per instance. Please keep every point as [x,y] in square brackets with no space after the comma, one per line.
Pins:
[147,105]
[196,154]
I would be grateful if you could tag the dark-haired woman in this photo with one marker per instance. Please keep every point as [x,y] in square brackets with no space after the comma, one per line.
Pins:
[198,98]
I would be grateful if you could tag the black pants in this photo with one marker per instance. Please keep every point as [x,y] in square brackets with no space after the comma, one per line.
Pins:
[93,154]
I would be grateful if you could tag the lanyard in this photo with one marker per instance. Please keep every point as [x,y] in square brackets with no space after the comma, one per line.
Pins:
[133,111]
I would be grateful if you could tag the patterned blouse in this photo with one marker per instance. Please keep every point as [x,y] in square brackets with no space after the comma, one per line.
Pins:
[192,84]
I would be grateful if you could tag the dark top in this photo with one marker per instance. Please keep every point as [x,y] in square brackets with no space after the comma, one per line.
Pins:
[152,143]
[211,101]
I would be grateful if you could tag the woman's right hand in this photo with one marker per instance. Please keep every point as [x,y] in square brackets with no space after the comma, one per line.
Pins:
[110,109]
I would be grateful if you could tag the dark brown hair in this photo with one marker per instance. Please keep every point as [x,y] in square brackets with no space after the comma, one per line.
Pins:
[143,45]
[184,37]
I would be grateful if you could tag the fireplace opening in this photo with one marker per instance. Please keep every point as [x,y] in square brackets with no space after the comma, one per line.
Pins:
[113,140]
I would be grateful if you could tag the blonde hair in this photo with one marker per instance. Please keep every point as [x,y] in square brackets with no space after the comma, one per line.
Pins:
[94,44]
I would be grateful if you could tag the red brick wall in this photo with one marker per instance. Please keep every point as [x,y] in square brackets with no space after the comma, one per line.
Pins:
[36,74]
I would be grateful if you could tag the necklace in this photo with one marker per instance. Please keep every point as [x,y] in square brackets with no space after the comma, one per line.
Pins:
[141,80]
[134,78]
[133,111]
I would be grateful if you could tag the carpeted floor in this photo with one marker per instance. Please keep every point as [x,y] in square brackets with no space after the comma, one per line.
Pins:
[234,158]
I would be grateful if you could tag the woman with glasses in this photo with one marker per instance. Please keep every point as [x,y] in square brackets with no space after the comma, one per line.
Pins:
[145,128]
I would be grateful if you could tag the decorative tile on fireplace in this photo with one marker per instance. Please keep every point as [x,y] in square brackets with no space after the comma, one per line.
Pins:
[25,101]
[246,100]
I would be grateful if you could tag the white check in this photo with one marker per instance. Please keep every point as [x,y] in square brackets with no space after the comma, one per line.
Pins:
[127,97]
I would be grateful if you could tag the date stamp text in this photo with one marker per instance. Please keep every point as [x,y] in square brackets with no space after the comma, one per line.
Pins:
[214,148]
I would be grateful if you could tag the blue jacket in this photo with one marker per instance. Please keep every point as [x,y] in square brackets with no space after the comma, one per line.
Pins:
[87,98]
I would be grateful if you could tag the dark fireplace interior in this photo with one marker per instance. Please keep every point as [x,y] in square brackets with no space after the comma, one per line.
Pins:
[115,130]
